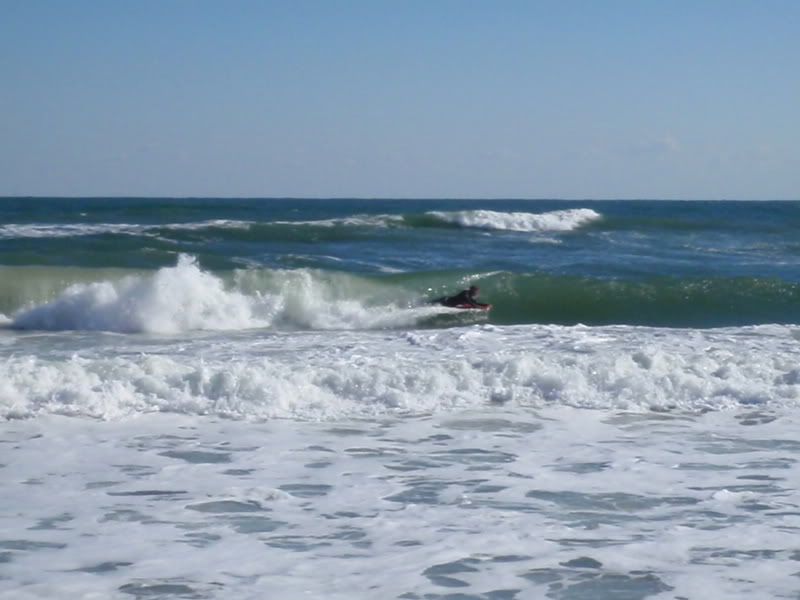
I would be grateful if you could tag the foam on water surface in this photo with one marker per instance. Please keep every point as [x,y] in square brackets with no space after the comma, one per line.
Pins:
[558,503]
[310,426]
[380,221]
[172,299]
[38,230]
[553,221]
[352,374]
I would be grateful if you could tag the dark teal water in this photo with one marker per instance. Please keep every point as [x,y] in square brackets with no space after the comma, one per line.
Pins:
[680,264]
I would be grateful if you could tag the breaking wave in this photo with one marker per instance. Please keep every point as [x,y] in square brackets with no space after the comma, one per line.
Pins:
[553,221]
[36,230]
[186,297]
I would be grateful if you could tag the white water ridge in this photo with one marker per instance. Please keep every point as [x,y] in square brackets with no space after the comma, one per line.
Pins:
[317,376]
[553,221]
[363,220]
[186,298]
[10,231]
[174,299]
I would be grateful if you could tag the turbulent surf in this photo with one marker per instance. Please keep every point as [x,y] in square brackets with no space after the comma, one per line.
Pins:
[268,385]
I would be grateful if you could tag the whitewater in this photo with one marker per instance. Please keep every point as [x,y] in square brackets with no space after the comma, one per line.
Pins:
[219,398]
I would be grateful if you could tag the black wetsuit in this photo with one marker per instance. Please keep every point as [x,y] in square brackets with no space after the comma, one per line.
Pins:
[465,297]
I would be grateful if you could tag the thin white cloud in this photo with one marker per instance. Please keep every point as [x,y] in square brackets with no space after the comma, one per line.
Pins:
[654,146]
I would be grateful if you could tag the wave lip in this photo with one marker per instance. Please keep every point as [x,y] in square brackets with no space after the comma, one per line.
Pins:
[186,298]
[553,221]
[173,299]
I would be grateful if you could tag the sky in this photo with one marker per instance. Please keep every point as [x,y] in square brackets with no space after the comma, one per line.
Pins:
[679,99]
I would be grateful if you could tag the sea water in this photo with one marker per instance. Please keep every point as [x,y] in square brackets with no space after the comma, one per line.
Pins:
[208,398]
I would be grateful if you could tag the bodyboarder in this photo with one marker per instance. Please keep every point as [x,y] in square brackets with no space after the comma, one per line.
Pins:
[464,299]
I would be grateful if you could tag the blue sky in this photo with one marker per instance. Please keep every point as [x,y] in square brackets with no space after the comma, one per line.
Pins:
[404,99]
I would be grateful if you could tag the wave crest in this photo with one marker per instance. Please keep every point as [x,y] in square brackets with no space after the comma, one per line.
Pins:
[173,299]
[553,221]
[187,298]
[35,230]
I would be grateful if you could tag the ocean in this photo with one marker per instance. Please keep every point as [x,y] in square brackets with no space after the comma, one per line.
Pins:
[257,398]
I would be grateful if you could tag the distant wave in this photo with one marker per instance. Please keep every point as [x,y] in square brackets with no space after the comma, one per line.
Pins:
[23,230]
[351,221]
[553,221]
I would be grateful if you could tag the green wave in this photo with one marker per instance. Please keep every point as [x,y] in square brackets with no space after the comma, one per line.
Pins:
[669,302]
[518,298]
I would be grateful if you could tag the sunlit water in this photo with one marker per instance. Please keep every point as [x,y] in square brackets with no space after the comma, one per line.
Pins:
[246,400]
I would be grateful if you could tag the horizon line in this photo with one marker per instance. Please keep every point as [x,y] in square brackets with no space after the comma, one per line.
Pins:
[396,198]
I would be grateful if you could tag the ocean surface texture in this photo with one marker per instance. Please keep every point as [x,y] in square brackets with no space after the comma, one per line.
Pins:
[249,399]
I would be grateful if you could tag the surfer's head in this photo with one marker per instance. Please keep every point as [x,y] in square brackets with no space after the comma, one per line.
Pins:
[474,290]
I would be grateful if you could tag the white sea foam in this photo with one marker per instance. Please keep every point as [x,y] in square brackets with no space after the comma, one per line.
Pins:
[37,230]
[497,503]
[360,374]
[173,299]
[186,298]
[608,461]
[352,221]
[555,221]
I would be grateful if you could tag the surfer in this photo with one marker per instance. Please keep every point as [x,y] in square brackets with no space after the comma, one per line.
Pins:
[463,299]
